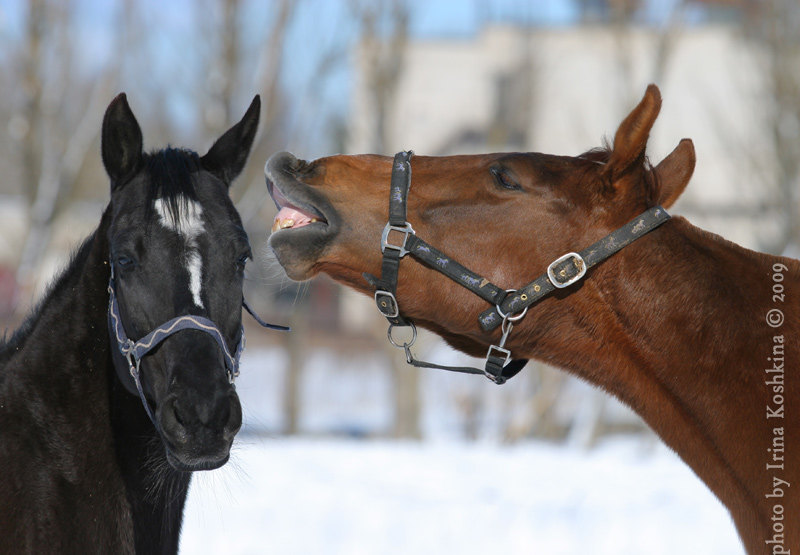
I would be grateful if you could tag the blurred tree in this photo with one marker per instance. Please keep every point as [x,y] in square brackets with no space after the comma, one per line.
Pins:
[234,66]
[774,28]
[58,118]
[383,45]
[384,41]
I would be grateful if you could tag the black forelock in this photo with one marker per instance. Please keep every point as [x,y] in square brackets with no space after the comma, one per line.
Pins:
[169,172]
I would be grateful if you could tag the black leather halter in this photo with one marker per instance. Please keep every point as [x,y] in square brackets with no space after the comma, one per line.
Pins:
[508,306]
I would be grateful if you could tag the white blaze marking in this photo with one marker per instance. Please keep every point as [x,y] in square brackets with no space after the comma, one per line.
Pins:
[189,225]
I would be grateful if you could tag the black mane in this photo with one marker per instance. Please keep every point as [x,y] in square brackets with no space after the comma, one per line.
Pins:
[10,345]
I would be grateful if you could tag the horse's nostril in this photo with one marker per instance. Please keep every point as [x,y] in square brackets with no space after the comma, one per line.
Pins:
[234,416]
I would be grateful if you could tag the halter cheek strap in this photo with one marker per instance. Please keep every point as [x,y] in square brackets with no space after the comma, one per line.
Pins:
[571,267]
[509,306]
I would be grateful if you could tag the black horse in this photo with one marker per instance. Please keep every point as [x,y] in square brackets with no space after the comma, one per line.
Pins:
[83,468]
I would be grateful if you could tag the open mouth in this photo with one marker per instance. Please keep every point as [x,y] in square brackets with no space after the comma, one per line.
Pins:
[306,223]
[291,215]
[299,205]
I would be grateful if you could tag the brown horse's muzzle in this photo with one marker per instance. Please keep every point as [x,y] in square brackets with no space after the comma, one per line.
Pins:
[306,222]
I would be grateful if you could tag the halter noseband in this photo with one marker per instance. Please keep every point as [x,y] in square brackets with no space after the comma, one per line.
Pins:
[134,351]
[509,306]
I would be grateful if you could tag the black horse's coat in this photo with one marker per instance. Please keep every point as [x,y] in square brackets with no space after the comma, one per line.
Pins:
[82,468]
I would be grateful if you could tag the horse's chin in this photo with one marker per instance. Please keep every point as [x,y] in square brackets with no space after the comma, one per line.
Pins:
[297,250]
[195,464]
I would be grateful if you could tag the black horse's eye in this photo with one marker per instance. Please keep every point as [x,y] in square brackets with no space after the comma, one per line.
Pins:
[504,180]
[125,262]
[241,262]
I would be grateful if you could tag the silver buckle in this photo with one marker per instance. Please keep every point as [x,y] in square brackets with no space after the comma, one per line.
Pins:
[502,351]
[580,264]
[406,230]
[388,314]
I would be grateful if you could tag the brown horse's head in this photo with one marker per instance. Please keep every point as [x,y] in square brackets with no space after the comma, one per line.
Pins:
[505,216]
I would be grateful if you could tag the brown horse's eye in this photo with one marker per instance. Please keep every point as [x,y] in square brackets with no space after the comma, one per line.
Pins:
[504,180]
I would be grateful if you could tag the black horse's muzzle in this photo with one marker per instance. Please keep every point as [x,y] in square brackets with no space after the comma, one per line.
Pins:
[133,352]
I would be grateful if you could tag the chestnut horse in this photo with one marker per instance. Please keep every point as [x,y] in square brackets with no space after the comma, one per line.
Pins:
[689,329]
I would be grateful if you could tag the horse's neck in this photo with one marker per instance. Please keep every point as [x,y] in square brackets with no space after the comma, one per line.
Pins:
[61,358]
[61,345]
[675,326]
[62,318]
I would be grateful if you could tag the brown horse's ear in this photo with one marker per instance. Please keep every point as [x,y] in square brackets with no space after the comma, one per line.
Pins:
[631,138]
[674,172]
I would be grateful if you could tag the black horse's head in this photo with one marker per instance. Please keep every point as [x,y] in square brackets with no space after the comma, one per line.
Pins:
[178,247]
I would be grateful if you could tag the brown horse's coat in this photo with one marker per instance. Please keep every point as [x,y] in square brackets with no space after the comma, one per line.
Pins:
[675,324]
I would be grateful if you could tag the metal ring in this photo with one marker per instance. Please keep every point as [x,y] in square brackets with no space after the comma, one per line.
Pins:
[405,344]
[133,365]
[511,317]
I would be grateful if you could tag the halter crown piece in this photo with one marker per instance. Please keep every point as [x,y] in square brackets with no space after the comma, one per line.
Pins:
[133,351]
[508,306]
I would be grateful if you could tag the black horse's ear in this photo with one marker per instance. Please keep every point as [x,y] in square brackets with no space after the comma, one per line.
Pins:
[121,141]
[227,156]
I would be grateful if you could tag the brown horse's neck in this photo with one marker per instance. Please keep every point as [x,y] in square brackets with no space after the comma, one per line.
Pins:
[674,325]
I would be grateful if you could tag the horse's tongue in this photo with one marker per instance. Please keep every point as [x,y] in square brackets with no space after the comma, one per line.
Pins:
[289,216]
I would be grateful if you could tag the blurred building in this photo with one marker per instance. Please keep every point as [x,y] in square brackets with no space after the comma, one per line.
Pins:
[562,91]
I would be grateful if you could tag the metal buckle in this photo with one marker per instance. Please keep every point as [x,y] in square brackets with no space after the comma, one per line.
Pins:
[406,230]
[504,353]
[387,304]
[579,263]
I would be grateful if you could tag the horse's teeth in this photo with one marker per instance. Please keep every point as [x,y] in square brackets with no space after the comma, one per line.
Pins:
[282,224]
[287,223]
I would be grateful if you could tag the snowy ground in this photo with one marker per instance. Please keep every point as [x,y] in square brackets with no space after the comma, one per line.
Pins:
[444,495]
[308,497]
